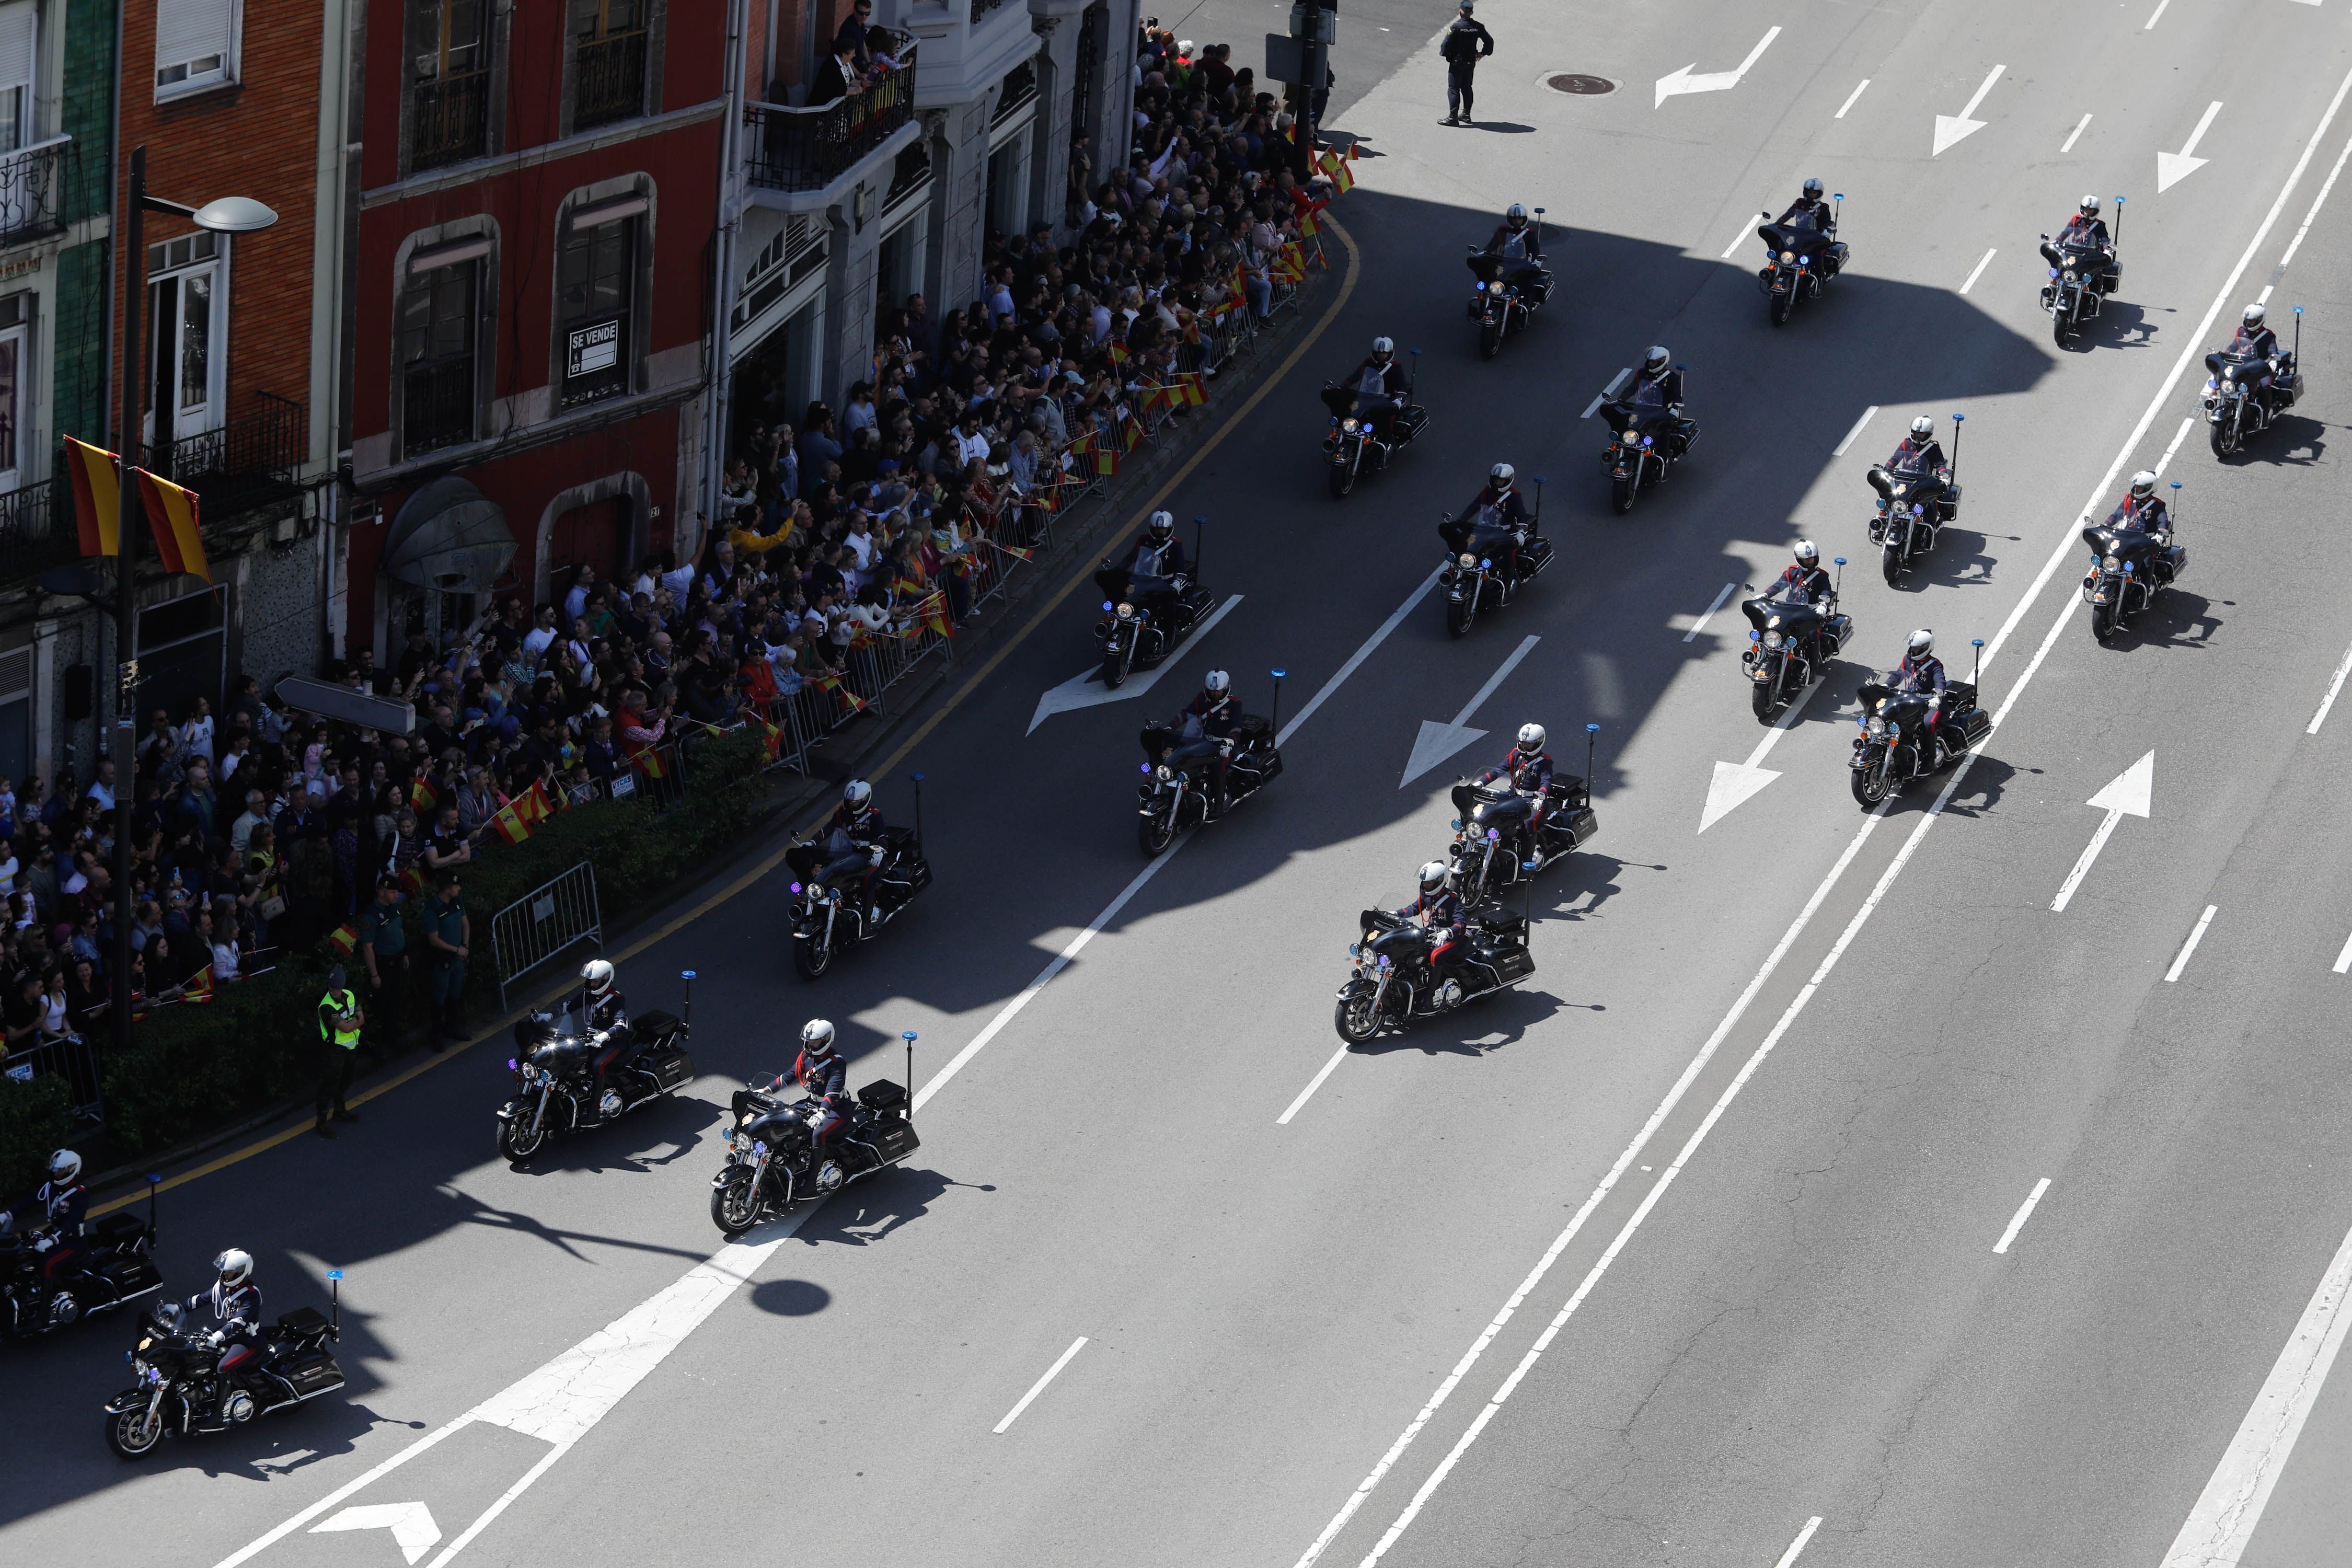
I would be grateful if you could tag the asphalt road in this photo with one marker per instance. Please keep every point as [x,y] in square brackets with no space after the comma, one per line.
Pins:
[1693,1240]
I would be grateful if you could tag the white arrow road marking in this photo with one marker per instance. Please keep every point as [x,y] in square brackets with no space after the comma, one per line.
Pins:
[2074,135]
[1438,741]
[1951,128]
[410,1524]
[1088,690]
[1699,625]
[1712,81]
[2128,794]
[1607,393]
[1735,782]
[2171,168]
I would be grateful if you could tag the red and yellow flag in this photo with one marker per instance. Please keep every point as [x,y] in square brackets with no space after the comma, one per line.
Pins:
[648,762]
[172,514]
[512,824]
[199,988]
[344,940]
[412,879]
[97,497]
[771,738]
[1118,352]
[533,805]
[831,682]
[1192,389]
[422,795]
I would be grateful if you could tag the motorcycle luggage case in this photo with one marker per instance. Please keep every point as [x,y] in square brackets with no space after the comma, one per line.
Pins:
[656,1025]
[1501,920]
[1973,725]
[1947,505]
[882,1095]
[1508,960]
[118,1229]
[303,1323]
[1579,825]
[670,1067]
[311,1371]
[895,1137]
[1568,790]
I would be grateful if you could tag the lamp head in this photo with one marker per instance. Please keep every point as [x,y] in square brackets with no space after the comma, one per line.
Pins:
[235,214]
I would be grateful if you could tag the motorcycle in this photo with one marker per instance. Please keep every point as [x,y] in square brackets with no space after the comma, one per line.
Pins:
[1797,262]
[1885,755]
[1636,456]
[2080,280]
[1912,510]
[773,1159]
[1171,799]
[1147,617]
[1351,449]
[1782,641]
[43,1289]
[1486,563]
[1392,982]
[829,914]
[1490,821]
[569,1079]
[2130,566]
[190,1382]
[2235,408]
[1508,293]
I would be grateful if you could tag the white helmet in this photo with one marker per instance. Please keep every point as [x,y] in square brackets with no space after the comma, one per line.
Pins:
[1382,348]
[2253,316]
[856,793]
[235,1267]
[1531,737]
[1922,426]
[1162,524]
[816,1037]
[1501,475]
[2089,207]
[1808,553]
[1219,682]
[1922,644]
[2143,484]
[1433,875]
[1515,215]
[65,1166]
[1655,362]
[598,974]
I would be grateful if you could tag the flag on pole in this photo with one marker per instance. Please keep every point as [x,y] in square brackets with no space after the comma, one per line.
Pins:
[846,698]
[412,878]
[172,514]
[1118,352]
[199,988]
[422,795]
[1015,550]
[1192,389]
[771,738]
[533,805]
[512,825]
[97,497]
[1306,225]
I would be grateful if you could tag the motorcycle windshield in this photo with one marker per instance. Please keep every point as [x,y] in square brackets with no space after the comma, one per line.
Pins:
[1782,615]
[1339,400]
[1468,536]
[2128,542]
[1789,237]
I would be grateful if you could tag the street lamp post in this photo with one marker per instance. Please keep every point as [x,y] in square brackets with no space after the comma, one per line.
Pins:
[229,215]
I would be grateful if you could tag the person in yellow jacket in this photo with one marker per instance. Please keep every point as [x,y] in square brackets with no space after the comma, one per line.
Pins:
[339,1020]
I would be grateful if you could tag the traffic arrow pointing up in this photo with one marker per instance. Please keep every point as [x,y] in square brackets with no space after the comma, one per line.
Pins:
[1683,81]
[410,1524]
[2171,168]
[1954,127]
[2129,794]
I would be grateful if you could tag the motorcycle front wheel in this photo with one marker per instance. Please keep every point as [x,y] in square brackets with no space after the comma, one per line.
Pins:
[1458,617]
[1760,697]
[2224,441]
[1354,1017]
[1890,562]
[811,956]
[1873,784]
[1782,303]
[1343,480]
[1622,491]
[135,1434]
[1155,833]
[1113,670]
[517,1142]
[734,1207]
[1490,339]
[2103,622]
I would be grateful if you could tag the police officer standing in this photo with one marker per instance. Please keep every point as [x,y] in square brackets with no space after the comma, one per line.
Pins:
[1467,42]
[383,944]
[339,1020]
[449,933]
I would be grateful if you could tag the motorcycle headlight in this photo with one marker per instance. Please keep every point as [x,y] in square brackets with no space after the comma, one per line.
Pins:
[1127,612]
[1469,561]
[1773,639]
[2112,564]
[2069,275]
[1165,774]
[1875,728]
[1348,425]
[1788,257]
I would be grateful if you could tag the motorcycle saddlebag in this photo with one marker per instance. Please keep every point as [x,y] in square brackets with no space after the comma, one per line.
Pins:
[1535,555]
[670,1067]
[1513,963]
[896,1137]
[118,1229]
[1947,505]
[1501,920]
[128,1274]
[1973,725]
[1568,790]
[882,1095]
[303,1323]
[654,1027]
[311,1371]
[1579,825]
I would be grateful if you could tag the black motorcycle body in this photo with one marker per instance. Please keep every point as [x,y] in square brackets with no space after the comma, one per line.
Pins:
[75,1278]
[2130,566]
[1898,744]
[1145,619]
[1790,646]
[1645,442]
[1366,432]
[833,907]
[1485,565]
[1391,981]
[1508,295]
[2080,282]
[1179,787]
[774,1161]
[1912,510]
[1491,849]
[2236,403]
[188,1385]
[569,1079]
[1798,262]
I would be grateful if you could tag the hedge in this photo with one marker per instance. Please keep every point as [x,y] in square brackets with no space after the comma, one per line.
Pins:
[34,1123]
[193,1067]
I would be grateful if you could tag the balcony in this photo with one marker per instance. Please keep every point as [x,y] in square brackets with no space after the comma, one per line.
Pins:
[982,8]
[36,529]
[29,190]
[608,79]
[437,405]
[449,120]
[246,464]
[789,149]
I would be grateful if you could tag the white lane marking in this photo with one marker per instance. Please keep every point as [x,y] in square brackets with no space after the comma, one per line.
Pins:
[2190,946]
[1978,270]
[1746,227]
[2024,1212]
[2264,296]
[1356,659]
[1038,1387]
[2223,1521]
[1084,690]
[2171,168]
[1850,100]
[2160,5]
[410,1524]
[2296,242]
[1839,451]
[1796,1547]
[2065,549]
[1700,625]
[2334,687]
[1606,393]
[2130,793]
[2343,959]
[2080,126]
[1438,741]
[1711,81]
[1312,1084]
[2178,436]
[1951,128]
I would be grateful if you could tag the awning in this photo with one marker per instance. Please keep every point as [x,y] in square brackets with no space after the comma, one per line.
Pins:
[451,536]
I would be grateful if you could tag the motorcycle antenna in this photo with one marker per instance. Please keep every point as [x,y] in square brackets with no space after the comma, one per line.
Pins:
[1274,723]
[2175,503]
[335,1302]
[1540,212]
[2298,334]
[916,780]
[2119,221]
[152,1181]
[1414,379]
[688,1010]
[1958,420]
[910,1038]
[1200,522]
[1539,479]
[1836,582]
[1591,731]
[1977,676]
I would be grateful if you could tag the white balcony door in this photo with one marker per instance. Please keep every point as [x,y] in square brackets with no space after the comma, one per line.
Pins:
[190,303]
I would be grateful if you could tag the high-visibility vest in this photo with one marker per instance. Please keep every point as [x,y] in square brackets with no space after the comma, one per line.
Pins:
[342,1032]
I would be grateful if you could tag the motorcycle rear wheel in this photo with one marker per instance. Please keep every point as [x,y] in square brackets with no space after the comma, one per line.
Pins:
[517,1142]
[811,958]
[1890,562]
[1154,833]
[1343,480]
[135,1434]
[1354,1017]
[734,1207]
[1622,493]
[1782,303]
[1490,339]
[1872,786]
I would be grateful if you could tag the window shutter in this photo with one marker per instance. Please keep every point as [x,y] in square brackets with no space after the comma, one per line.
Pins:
[188,30]
[16,46]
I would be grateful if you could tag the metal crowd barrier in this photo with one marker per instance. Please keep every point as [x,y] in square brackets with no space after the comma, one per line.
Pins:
[548,920]
[69,1058]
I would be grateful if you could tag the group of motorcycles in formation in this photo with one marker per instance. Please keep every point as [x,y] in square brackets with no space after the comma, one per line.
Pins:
[209,1363]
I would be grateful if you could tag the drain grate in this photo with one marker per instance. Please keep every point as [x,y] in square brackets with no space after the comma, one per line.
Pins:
[1583,86]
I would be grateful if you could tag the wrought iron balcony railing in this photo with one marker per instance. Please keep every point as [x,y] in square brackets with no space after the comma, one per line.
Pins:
[245,464]
[608,79]
[789,149]
[449,120]
[29,190]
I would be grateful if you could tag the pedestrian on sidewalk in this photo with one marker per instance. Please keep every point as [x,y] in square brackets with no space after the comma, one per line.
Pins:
[339,1020]
[1467,42]
[448,932]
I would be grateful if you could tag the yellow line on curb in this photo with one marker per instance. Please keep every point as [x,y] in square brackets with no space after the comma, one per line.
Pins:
[749,879]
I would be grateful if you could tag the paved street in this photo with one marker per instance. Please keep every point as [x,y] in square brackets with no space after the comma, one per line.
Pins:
[1707,1246]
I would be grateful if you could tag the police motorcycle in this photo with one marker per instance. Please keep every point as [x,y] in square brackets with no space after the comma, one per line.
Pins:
[191,1382]
[1782,638]
[44,1287]
[1490,850]
[569,1077]
[1796,261]
[1886,754]
[1179,784]
[1350,448]
[1912,511]
[1391,981]
[1147,617]
[1507,294]
[2234,408]
[831,909]
[2080,279]
[1479,572]
[2130,566]
[1636,459]
[772,1159]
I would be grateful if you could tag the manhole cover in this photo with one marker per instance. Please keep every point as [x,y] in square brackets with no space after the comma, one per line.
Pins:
[1583,86]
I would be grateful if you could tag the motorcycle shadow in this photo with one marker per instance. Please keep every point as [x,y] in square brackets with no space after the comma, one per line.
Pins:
[327,1430]
[2293,441]
[2119,325]
[2177,620]
[1979,791]
[678,1122]
[1482,1028]
[1596,879]
[884,1202]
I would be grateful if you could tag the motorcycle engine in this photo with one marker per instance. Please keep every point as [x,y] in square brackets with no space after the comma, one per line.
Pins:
[609,1105]
[64,1308]
[828,1177]
[237,1408]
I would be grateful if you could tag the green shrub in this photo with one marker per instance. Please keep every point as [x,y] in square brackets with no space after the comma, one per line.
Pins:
[34,1123]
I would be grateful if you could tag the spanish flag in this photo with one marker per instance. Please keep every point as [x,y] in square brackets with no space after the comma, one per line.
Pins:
[1118,352]
[648,762]
[344,940]
[97,497]
[1306,225]
[422,795]
[412,879]
[171,513]
[773,738]
[847,698]
[511,823]
[533,805]
[199,988]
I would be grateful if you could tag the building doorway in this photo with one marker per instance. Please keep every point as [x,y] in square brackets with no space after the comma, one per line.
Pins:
[592,536]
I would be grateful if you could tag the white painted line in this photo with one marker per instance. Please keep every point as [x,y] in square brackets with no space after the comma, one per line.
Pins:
[1526,646]
[2222,1522]
[2334,687]
[1700,625]
[2178,436]
[2190,946]
[1356,659]
[1746,227]
[2343,959]
[2080,126]
[1979,272]
[1839,450]
[1308,1092]
[2264,296]
[2160,5]
[2024,1212]
[1606,393]
[1038,1387]
[2296,242]
[1850,97]
[1796,1547]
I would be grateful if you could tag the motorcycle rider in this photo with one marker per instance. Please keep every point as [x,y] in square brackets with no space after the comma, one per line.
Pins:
[2086,231]
[1655,400]
[821,1071]
[1219,717]
[1378,384]
[2254,344]
[1917,462]
[236,1303]
[1159,553]
[1517,242]
[853,839]
[1802,582]
[1499,504]
[608,1016]
[56,1212]
[1811,212]
[2140,509]
[1922,672]
[1530,768]
[1441,913]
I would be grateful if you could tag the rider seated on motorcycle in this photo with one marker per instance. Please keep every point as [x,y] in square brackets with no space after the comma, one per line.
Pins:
[1499,504]
[1922,672]
[1159,553]
[1516,239]
[2254,344]
[1809,211]
[236,1304]
[2141,509]
[1528,768]
[58,1209]
[1220,719]
[853,839]
[2086,231]
[824,1075]
[1378,384]
[1441,913]
[1802,582]
[608,1016]
[1655,401]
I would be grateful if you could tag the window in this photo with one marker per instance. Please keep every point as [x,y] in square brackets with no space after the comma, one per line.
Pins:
[188,292]
[18,55]
[436,346]
[596,286]
[449,102]
[14,366]
[195,44]
[608,61]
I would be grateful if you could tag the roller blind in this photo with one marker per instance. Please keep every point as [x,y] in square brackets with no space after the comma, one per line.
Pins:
[16,46]
[188,31]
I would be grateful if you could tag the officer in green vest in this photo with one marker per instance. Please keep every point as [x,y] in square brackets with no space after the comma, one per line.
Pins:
[339,1020]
